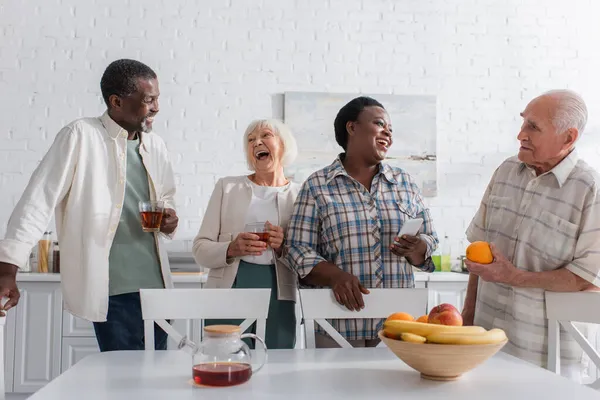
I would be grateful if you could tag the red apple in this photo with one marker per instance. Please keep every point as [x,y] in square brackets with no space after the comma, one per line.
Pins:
[445,314]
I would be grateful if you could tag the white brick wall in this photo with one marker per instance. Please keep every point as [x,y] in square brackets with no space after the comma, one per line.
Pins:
[223,63]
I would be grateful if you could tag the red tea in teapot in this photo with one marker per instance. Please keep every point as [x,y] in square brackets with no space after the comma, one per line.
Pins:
[221,373]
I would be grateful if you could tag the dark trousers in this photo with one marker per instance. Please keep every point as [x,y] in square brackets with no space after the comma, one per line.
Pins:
[124,326]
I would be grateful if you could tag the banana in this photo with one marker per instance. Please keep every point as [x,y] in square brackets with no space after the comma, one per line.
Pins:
[395,327]
[492,336]
[411,337]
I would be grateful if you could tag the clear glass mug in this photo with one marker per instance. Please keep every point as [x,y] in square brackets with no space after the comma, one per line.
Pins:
[259,229]
[151,214]
[223,358]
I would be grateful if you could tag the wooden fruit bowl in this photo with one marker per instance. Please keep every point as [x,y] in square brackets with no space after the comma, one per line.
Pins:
[441,362]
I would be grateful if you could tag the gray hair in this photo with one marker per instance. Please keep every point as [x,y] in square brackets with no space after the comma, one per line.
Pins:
[290,148]
[571,111]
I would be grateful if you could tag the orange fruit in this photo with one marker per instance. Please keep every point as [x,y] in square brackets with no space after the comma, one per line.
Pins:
[401,316]
[423,318]
[480,252]
[391,335]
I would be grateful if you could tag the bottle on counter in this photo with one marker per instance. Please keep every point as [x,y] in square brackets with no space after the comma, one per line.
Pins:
[44,252]
[446,261]
[461,267]
[55,258]
[436,257]
[31,264]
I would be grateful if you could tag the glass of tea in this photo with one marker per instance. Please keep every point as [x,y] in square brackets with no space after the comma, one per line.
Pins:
[259,229]
[151,214]
[223,358]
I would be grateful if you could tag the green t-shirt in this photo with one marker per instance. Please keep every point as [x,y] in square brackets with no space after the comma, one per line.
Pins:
[133,261]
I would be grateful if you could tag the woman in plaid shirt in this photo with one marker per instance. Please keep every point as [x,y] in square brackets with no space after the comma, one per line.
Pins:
[343,230]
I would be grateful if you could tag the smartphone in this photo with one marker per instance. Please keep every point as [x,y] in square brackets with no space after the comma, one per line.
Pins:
[411,227]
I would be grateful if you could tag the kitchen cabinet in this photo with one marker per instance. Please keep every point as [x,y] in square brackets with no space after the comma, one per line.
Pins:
[446,292]
[76,348]
[75,326]
[10,328]
[38,325]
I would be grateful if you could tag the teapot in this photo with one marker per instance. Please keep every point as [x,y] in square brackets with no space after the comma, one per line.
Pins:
[222,358]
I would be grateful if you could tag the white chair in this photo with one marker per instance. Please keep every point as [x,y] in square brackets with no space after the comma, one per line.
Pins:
[318,305]
[564,308]
[159,305]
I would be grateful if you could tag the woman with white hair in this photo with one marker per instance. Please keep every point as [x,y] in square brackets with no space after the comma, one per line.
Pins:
[237,258]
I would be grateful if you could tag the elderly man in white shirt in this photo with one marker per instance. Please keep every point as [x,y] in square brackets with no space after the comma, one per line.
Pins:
[541,213]
[93,177]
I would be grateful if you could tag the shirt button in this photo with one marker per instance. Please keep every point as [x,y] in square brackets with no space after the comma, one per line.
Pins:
[123,135]
[119,205]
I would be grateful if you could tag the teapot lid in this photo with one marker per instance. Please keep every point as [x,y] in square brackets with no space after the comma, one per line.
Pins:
[222,329]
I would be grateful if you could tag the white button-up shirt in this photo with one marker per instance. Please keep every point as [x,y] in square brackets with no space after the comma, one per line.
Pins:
[82,179]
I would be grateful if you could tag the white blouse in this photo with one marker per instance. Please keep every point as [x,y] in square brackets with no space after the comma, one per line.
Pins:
[263,207]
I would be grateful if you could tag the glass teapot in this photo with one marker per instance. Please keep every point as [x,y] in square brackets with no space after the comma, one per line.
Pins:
[222,358]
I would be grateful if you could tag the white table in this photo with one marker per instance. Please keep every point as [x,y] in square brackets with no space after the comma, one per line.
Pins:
[305,374]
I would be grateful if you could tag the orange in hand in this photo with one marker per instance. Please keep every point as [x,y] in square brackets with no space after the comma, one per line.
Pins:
[401,316]
[480,253]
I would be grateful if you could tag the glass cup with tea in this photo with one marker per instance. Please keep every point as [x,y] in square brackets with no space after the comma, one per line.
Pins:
[151,214]
[259,229]
[223,358]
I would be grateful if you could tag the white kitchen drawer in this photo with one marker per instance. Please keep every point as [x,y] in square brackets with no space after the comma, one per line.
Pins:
[75,326]
[76,348]
[38,336]
[446,292]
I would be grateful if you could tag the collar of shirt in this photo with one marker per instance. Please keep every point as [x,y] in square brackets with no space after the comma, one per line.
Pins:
[561,171]
[115,130]
[337,169]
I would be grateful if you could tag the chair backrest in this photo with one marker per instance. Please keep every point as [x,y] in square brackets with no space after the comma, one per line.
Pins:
[562,309]
[2,387]
[320,304]
[159,305]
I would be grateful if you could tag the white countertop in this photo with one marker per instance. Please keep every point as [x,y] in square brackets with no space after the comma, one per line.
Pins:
[441,277]
[184,269]
[448,277]
[178,277]
[201,277]
[372,373]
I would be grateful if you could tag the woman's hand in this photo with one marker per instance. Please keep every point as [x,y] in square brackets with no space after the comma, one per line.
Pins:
[413,248]
[348,290]
[275,237]
[246,244]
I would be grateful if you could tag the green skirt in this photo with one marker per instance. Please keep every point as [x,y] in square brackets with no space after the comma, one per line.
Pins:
[281,320]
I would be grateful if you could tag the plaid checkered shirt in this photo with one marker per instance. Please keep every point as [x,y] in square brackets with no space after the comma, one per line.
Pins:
[336,219]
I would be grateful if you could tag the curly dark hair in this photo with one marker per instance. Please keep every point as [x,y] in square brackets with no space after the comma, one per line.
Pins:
[350,112]
[120,78]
